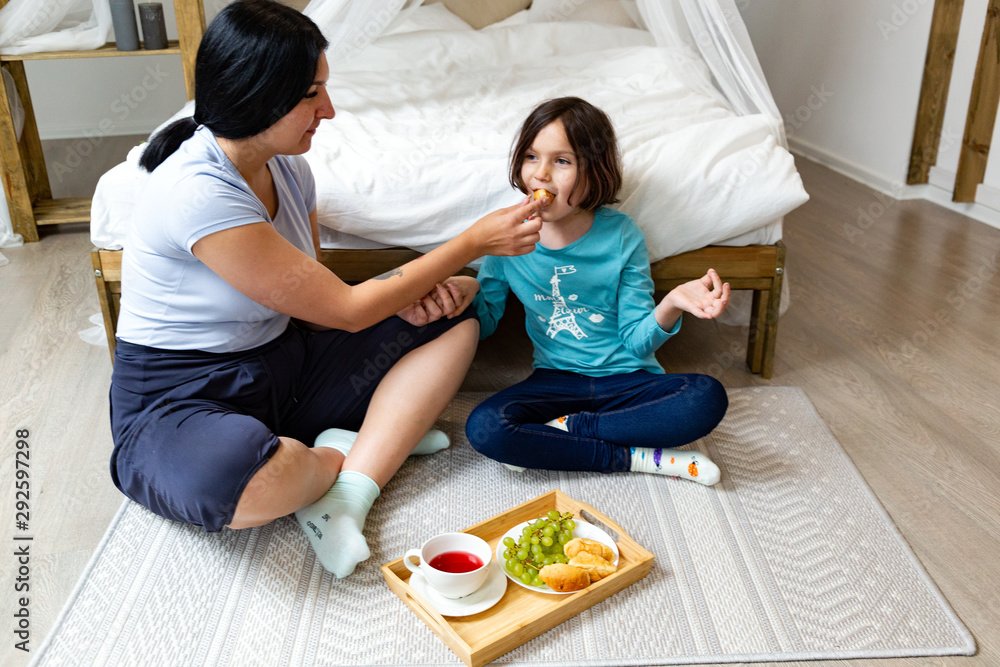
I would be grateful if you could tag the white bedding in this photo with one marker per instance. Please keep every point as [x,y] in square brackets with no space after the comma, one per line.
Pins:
[425,120]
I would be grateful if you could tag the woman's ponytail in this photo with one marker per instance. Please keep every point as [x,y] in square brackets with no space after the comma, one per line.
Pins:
[163,144]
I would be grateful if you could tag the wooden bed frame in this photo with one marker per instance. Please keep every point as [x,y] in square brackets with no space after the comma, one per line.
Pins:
[759,268]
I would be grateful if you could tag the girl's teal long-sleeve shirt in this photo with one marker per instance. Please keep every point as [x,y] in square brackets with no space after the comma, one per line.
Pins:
[588,306]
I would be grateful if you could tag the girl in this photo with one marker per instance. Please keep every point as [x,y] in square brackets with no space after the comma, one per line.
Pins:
[597,398]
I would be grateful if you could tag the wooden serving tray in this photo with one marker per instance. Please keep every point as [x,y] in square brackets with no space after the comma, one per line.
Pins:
[521,614]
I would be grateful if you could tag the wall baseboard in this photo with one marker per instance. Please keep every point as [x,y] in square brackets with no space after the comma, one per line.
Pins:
[938,190]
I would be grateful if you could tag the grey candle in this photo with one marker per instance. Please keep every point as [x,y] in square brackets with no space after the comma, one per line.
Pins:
[123,20]
[154,28]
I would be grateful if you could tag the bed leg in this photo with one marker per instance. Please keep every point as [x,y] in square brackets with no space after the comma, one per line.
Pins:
[107,300]
[771,316]
[757,334]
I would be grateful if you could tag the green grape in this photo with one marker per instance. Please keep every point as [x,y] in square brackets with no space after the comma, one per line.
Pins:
[540,543]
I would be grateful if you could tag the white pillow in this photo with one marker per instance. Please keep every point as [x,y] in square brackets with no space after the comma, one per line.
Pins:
[426,17]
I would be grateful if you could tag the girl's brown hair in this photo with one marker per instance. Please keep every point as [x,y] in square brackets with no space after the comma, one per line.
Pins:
[592,137]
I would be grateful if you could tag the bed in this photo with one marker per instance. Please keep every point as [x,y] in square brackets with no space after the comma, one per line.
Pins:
[425,117]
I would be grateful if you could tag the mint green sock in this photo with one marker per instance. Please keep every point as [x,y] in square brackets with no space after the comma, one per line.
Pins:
[336,438]
[335,522]
[341,440]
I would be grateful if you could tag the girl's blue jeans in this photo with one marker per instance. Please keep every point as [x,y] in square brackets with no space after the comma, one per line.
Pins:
[608,416]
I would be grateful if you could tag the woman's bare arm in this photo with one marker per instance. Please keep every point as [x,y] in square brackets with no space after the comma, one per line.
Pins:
[267,268]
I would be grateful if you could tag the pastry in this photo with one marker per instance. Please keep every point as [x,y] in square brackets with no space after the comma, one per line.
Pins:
[564,578]
[595,566]
[578,544]
[542,192]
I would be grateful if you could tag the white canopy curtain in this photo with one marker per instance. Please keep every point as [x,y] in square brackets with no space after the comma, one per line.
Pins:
[712,27]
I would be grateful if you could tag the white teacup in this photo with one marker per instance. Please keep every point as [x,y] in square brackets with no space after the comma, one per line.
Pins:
[454,564]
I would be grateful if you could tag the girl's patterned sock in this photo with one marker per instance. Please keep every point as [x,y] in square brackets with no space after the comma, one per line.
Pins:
[677,463]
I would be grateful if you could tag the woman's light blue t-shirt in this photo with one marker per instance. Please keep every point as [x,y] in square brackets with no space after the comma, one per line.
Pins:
[170,299]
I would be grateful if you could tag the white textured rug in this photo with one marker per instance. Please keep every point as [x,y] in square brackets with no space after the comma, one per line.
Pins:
[789,557]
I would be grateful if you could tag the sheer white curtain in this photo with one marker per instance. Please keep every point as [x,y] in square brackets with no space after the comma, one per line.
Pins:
[716,29]
[30,26]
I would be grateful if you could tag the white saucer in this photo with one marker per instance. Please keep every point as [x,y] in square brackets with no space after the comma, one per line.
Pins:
[485,597]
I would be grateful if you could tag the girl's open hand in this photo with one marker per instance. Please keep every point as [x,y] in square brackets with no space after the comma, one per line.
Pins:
[509,231]
[704,298]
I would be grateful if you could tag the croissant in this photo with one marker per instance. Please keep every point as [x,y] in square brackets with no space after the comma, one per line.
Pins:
[564,578]
[595,566]
[578,544]
[542,192]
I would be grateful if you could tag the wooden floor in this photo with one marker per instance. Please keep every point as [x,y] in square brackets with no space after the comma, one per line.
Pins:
[892,332]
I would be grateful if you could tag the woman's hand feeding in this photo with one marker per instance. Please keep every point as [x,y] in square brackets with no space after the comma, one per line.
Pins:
[509,231]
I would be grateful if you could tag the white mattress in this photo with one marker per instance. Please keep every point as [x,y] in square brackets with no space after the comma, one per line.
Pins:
[425,120]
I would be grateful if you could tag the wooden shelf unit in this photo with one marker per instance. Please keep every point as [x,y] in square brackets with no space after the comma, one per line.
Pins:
[25,177]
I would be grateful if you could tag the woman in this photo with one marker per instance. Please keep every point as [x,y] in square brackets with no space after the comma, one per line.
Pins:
[237,348]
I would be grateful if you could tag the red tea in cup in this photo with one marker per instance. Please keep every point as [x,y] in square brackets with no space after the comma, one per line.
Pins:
[456,562]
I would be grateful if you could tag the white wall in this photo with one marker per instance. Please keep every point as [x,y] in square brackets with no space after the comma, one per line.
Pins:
[846,76]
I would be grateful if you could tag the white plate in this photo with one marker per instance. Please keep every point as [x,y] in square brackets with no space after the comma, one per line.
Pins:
[482,599]
[583,529]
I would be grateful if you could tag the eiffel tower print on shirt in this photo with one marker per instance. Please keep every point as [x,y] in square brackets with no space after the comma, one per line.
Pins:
[562,318]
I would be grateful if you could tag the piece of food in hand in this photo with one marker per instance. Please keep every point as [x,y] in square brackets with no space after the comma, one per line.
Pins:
[596,567]
[578,544]
[564,578]
[542,192]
